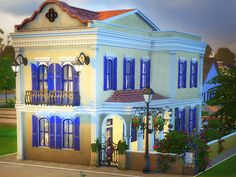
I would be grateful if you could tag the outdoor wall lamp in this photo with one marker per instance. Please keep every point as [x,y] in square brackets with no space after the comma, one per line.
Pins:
[80,60]
[19,60]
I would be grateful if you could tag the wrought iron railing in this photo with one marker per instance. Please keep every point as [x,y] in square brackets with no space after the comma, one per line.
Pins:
[54,98]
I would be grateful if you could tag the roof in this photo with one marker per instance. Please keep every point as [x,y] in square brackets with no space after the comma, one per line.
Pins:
[83,15]
[208,62]
[127,96]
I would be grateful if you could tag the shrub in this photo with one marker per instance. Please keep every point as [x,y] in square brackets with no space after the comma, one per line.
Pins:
[95,146]
[122,147]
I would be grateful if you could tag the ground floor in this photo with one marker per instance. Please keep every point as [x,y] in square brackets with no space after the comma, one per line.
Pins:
[64,134]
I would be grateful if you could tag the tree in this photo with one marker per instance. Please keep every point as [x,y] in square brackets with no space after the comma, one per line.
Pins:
[208,51]
[226,55]
[1,39]
[225,98]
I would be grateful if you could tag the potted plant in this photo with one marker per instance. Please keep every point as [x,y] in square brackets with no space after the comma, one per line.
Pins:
[94,154]
[135,122]
[158,123]
[122,147]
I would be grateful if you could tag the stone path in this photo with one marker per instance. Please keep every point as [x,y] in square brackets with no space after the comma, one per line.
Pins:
[222,157]
[11,167]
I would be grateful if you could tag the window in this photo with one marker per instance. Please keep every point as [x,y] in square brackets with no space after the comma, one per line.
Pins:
[110,73]
[193,74]
[43,132]
[144,74]
[68,78]
[128,75]
[192,119]
[182,74]
[179,119]
[68,134]
[43,77]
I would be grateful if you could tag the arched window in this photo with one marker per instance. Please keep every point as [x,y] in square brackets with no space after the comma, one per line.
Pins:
[43,77]
[43,132]
[68,132]
[68,78]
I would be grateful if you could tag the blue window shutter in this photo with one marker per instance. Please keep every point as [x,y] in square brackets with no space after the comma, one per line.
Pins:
[76,100]
[141,74]
[35,127]
[58,133]
[52,132]
[191,81]
[124,74]
[34,76]
[133,134]
[183,119]
[105,74]
[179,74]
[148,73]
[194,117]
[77,134]
[114,74]
[133,73]
[196,74]
[58,77]
[185,73]
[51,77]
[177,118]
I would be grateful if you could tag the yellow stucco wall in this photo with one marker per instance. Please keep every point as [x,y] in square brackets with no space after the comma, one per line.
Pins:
[59,155]
[63,20]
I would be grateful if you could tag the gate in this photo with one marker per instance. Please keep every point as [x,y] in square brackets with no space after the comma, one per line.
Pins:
[108,154]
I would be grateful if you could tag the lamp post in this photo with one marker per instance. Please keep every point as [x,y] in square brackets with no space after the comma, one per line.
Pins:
[147,94]
[81,60]
[19,60]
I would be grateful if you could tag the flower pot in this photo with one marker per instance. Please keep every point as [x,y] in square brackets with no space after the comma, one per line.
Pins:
[94,159]
[122,161]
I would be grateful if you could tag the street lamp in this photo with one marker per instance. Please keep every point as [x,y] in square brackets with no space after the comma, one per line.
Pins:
[147,94]
[19,60]
[81,60]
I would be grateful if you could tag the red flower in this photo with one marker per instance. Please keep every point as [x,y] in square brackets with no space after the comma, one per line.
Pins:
[155,147]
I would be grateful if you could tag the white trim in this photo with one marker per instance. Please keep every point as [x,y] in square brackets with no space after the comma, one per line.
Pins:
[154,152]
[42,59]
[67,59]
[194,60]
[215,141]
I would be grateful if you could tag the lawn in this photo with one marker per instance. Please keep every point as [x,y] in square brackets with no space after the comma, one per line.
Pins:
[7,139]
[224,169]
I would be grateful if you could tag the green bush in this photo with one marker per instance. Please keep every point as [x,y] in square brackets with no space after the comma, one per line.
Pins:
[122,147]
[95,146]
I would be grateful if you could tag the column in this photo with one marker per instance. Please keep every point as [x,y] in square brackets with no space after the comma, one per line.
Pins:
[140,140]
[200,80]
[20,135]
[172,122]
[173,73]
[94,127]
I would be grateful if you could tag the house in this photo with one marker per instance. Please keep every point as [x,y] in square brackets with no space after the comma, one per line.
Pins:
[210,70]
[60,112]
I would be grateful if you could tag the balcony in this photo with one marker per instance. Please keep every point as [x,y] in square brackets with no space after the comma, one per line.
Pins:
[52,98]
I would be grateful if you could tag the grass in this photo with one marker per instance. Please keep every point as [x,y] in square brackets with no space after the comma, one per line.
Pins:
[7,139]
[224,169]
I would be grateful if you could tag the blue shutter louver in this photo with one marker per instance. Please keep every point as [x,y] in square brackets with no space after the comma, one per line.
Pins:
[133,73]
[183,120]
[141,74]
[76,94]
[52,132]
[191,78]
[35,126]
[77,134]
[34,76]
[51,77]
[133,134]
[114,74]
[185,74]
[148,73]
[105,74]
[58,133]
[196,74]
[58,77]
[124,74]
[177,120]
[179,74]
[194,117]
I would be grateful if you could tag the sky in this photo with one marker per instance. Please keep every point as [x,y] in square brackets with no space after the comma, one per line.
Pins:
[213,20]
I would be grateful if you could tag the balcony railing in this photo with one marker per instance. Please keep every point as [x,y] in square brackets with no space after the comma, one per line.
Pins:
[54,98]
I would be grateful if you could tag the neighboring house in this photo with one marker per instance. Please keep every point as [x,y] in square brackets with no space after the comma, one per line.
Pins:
[60,113]
[210,70]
